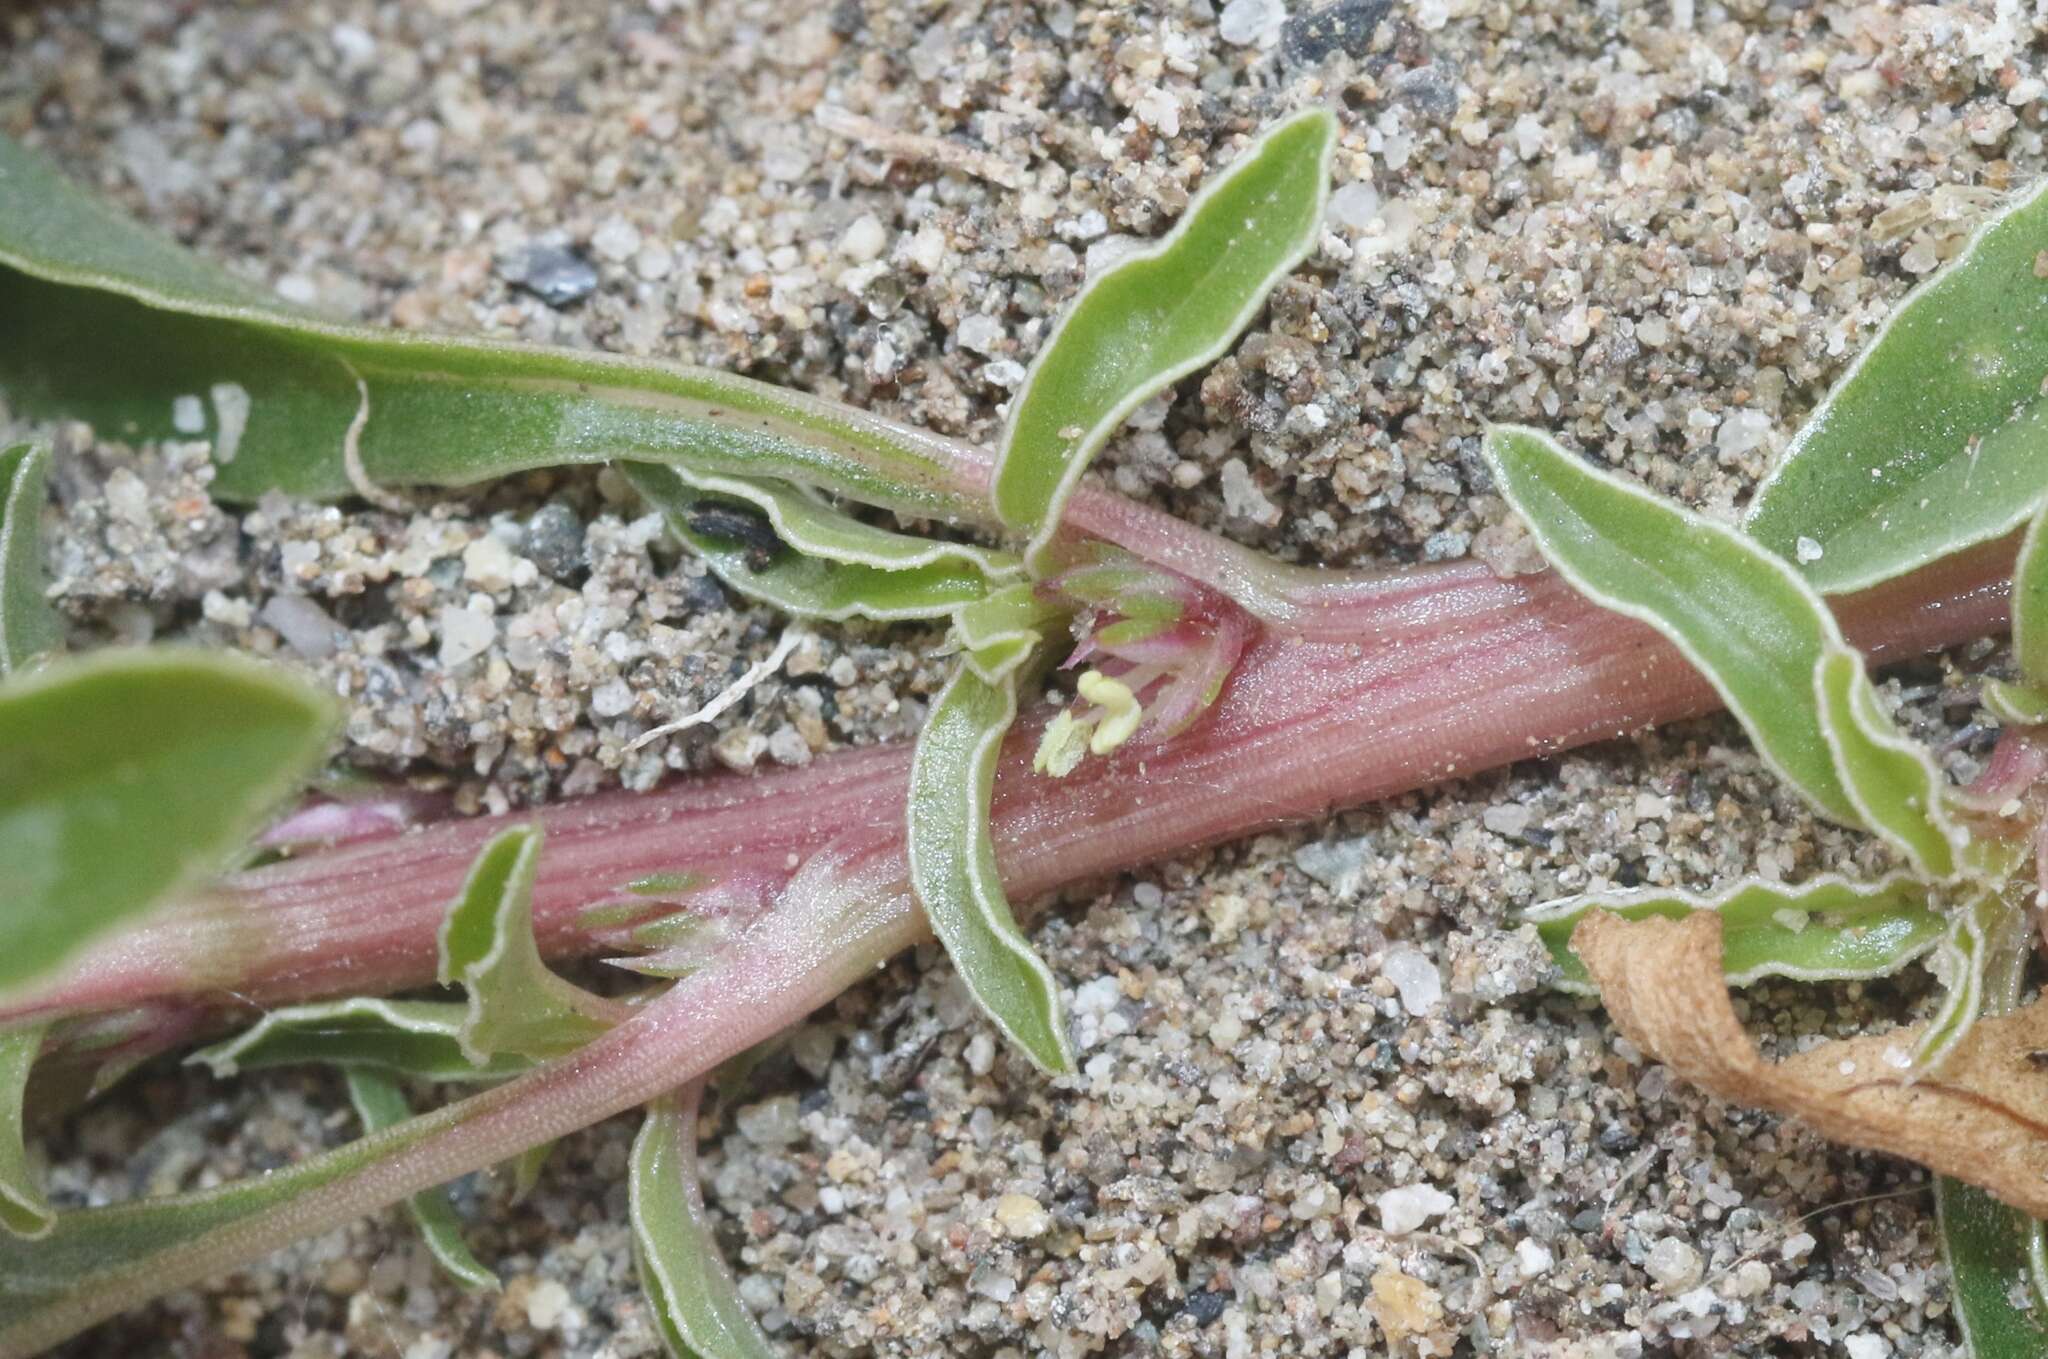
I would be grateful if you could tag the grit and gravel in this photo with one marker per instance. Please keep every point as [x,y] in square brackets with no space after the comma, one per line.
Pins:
[1327,1104]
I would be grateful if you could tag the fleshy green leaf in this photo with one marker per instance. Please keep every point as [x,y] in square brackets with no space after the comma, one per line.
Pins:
[1160,315]
[98,1249]
[23,1210]
[2030,604]
[1991,1252]
[1005,630]
[2018,705]
[109,322]
[695,1304]
[1895,787]
[1976,935]
[1829,929]
[804,564]
[125,775]
[516,1004]
[28,625]
[1741,616]
[953,866]
[420,1038]
[381,1104]
[1937,437]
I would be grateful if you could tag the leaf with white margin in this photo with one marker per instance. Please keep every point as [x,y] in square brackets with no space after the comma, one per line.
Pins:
[1001,633]
[516,1004]
[695,1304]
[28,625]
[814,562]
[1828,929]
[23,1209]
[1740,615]
[420,1038]
[1894,785]
[381,1104]
[1937,437]
[1157,316]
[953,867]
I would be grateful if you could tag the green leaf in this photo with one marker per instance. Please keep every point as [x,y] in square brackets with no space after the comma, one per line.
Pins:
[381,1104]
[1991,1251]
[824,569]
[516,1004]
[1895,787]
[23,1210]
[108,322]
[1741,616]
[419,1038]
[97,1250]
[1829,929]
[1160,315]
[1937,437]
[126,775]
[2030,604]
[1004,631]
[695,1304]
[953,866]
[28,625]
[2016,705]
[1978,932]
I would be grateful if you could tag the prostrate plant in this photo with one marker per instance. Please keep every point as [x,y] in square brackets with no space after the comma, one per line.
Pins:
[1932,443]
[1222,692]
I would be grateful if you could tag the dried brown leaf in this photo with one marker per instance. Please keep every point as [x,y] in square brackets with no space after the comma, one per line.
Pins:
[1982,1117]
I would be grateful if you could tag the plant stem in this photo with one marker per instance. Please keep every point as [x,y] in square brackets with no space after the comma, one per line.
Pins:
[1453,671]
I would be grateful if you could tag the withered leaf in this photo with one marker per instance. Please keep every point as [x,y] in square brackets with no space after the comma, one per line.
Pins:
[1981,1117]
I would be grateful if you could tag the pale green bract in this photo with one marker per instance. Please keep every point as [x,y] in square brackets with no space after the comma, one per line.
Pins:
[28,625]
[696,1306]
[953,866]
[1937,437]
[1828,929]
[1743,618]
[380,1104]
[517,1005]
[99,758]
[1158,316]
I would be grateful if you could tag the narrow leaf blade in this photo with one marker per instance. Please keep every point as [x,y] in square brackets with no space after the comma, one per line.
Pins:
[2030,604]
[1937,437]
[1986,1245]
[23,1210]
[516,1004]
[418,1038]
[953,867]
[1896,789]
[695,1303]
[127,774]
[811,569]
[1741,616]
[380,1104]
[1829,929]
[1154,318]
[28,625]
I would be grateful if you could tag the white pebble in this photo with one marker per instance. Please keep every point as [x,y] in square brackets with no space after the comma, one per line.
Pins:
[304,625]
[546,1304]
[1673,1264]
[1865,1345]
[611,698]
[1404,1209]
[464,635]
[188,415]
[1355,205]
[864,239]
[1506,818]
[982,334]
[1415,977]
[617,240]
[1532,1258]
[770,1122]
[1807,550]
[1244,22]
[1797,1247]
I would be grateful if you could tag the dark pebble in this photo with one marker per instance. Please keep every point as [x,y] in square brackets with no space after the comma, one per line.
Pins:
[1346,26]
[554,540]
[555,274]
[1616,1140]
[1206,1306]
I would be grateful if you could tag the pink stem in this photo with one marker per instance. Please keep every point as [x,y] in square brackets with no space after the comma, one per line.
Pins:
[1453,671]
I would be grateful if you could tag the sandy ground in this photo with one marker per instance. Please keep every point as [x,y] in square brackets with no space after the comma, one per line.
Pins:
[1659,230]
